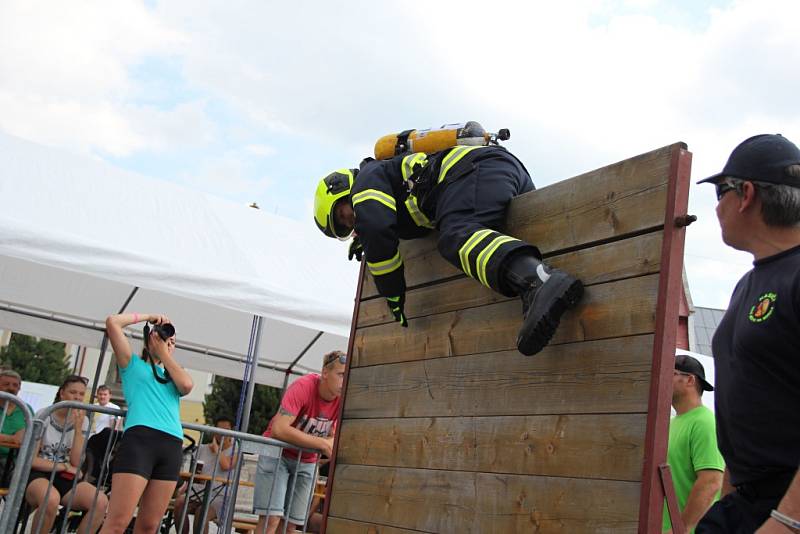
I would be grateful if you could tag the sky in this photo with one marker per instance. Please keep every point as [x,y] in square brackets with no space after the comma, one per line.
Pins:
[255,101]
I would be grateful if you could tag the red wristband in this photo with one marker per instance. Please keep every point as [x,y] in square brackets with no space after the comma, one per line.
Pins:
[135,317]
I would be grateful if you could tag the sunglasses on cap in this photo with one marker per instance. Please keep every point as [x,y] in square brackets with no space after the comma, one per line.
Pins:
[330,358]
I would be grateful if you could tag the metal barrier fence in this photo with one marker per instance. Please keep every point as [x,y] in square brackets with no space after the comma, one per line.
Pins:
[213,486]
[22,463]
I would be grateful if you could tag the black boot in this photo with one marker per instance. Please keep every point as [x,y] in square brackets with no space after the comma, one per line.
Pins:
[546,294]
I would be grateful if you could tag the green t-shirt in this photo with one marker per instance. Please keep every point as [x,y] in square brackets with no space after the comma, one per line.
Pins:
[15,421]
[692,447]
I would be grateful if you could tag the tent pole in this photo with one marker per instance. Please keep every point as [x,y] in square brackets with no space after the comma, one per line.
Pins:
[251,384]
[91,325]
[77,357]
[291,365]
[104,346]
[258,326]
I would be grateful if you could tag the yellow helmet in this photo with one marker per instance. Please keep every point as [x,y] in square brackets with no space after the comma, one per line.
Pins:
[330,190]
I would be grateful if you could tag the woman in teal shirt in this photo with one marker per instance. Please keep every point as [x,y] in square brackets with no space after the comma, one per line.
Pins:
[149,459]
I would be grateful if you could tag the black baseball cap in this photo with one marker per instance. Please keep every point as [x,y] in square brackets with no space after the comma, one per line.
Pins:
[761,158]
[688,364]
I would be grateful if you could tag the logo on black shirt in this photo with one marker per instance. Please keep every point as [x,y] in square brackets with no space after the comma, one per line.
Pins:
[762,310]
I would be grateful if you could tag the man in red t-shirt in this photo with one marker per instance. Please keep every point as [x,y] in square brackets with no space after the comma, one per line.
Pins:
[307,418]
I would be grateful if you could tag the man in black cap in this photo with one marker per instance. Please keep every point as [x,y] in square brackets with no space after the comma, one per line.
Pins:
[692,454]
[757,344]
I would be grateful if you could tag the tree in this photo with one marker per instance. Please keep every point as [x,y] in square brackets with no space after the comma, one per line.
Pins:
[224,401]
[41,361]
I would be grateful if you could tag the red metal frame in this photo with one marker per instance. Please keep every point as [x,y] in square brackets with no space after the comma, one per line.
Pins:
[669,294]
[350,343]
[672,500]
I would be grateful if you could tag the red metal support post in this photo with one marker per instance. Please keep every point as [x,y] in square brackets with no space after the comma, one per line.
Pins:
[669,293]
[672,500]
[350,344]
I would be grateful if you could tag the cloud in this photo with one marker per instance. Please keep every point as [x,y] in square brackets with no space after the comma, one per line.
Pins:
[260,150]
[185,125]
[230,174]
[256,101]
[324,69]
[66,74]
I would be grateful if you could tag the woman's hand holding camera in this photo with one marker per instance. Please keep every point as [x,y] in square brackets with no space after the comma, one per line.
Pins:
[152,318]
[157,345]
[158,319]
[162,330]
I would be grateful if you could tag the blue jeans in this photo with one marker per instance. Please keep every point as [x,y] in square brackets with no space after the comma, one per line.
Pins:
[274,491]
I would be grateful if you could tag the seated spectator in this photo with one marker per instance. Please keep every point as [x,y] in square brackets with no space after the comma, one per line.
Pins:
[96,457]
[104,420]
[206,458]
[14,424]
[59,451]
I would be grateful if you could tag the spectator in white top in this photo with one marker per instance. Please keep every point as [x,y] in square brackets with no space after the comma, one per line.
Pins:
[59,451]
[103,420]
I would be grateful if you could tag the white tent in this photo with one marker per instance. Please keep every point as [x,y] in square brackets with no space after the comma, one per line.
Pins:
[77,236]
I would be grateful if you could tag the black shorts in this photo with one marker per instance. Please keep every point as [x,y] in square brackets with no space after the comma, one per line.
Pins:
[149,453]
[60,484]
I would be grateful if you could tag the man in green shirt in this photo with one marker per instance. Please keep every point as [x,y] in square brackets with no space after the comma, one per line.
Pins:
[14,423]
[696,463]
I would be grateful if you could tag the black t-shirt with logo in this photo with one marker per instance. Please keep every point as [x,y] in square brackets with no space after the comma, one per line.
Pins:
[757,370]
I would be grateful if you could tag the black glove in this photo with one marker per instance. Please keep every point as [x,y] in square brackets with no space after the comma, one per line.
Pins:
[356,250]
[396,306]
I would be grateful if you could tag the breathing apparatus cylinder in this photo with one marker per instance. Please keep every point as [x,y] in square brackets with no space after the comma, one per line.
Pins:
[431,140]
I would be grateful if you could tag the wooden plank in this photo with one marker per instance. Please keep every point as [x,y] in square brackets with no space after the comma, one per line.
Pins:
[616,309]
[508,503]
[606,376]
[623,198]
[337,525]
[553,445]
[620,260]
[442,501]
[421,262]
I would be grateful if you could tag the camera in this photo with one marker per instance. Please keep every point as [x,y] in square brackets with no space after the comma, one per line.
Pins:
[164,331]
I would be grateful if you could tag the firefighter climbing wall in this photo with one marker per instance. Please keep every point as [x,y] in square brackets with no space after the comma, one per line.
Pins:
[447,428]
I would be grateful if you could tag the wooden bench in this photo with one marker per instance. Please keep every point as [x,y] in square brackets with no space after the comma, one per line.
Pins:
[244,524]
[447,428]
[244,528]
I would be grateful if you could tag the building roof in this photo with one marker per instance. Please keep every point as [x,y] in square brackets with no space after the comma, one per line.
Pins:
[706,321]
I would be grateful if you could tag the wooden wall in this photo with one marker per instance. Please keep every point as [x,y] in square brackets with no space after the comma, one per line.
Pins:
[447,428]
